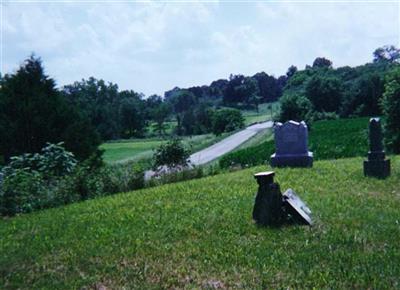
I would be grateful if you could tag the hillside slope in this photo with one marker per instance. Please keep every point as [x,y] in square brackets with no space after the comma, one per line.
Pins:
[200,234]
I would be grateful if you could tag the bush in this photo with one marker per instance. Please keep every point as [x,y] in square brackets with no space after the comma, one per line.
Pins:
[123,177]
[53,160]
[226,120]
[22,190]
[171,154]
[294,107]
[36,181]
[391,109]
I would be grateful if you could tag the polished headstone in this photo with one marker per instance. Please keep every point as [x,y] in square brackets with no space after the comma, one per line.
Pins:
[291,145]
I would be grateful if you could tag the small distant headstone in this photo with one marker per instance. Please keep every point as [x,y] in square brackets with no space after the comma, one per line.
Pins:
[376,165]
[291,145]
[271,208]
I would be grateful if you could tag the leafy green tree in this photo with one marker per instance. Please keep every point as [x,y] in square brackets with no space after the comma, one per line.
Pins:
[391,110]
[291,71]
[160,114]
[132,114]
[32,113]
[387,53]
[322,62]
[325,93]
[226,120]
[171,154]
[294,107]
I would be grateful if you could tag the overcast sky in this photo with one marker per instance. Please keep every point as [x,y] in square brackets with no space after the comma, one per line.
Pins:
[151,47]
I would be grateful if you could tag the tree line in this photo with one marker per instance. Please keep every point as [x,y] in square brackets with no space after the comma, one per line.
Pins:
[84,114]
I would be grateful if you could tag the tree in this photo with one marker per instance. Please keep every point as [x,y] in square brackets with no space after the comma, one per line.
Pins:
[268,86]
[364,97]
[391,110]
[325,93]
[291,71]
[172,154]
[226,120]
[387,53]
[160,114]
[33,112]
[294,107]
[322,62]
[132,118]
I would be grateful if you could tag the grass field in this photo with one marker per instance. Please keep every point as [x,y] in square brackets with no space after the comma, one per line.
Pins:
[199,234]
[139,149]
[264,113]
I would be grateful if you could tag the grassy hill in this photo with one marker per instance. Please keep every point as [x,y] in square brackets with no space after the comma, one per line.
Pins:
[199,234]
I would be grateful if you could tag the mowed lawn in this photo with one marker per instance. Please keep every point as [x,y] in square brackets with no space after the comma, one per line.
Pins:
[129,150]
[134,150]
[200,234]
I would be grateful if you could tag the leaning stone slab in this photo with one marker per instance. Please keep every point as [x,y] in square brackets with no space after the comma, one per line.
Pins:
[291,145]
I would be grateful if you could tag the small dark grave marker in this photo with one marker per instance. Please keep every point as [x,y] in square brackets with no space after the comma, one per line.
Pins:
[376,165]
[268,204]
[272,208]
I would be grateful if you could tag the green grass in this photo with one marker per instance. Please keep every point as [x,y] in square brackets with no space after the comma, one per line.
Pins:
[200,233]
[257,139]
[140,149]
[327,140]
[129,150]
[263,114]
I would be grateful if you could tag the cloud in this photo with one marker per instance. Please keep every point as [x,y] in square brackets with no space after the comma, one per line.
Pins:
[152,47]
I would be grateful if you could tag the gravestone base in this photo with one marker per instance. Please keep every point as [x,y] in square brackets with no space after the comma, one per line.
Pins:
[304,160]
[377,168]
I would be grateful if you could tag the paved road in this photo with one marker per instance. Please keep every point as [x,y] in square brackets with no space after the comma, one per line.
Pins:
[228,144]
[218,149]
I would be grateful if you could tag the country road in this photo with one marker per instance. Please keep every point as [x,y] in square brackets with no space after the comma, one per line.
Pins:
[228,144]
[222,147]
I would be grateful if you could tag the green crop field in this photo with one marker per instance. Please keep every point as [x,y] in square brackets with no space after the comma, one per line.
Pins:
[200,234]
[327,140]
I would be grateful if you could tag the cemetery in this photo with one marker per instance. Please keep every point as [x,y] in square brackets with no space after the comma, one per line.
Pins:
[331,227]
[199,145]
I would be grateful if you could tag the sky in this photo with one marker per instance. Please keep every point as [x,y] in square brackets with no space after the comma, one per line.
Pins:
[154,46]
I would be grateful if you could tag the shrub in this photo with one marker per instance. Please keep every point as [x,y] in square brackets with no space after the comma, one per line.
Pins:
[53,160]
[391,109]
[294,107]
[226,120]
[35,181]
[171,154]
[22,190]
[123,177]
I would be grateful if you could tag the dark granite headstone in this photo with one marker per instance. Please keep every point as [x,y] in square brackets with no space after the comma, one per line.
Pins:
[376,165]
[291,145]
[268,204]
